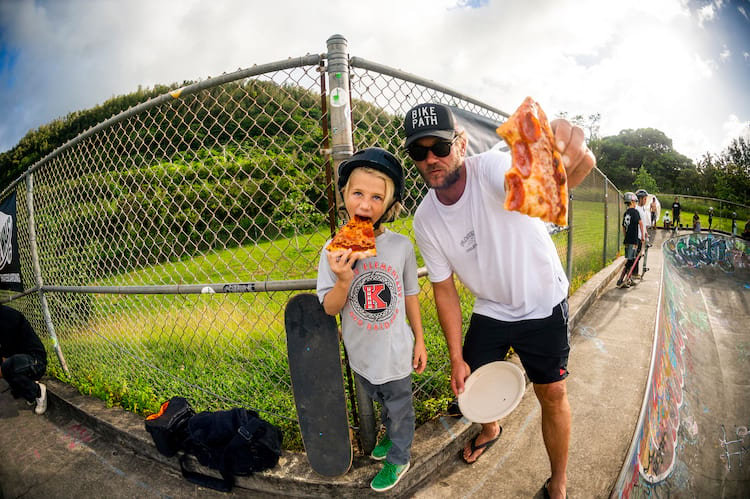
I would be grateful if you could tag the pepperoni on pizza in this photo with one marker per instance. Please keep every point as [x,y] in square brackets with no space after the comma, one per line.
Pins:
[536,184]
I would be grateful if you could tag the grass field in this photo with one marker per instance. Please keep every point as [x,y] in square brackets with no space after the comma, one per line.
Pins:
[224,350]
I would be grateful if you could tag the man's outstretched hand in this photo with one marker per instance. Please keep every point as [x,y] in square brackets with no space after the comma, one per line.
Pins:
[577,157]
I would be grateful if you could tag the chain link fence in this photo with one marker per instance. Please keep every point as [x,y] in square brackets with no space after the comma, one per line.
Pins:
[159,248]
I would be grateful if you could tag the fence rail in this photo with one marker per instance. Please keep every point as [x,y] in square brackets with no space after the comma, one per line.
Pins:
[158,249]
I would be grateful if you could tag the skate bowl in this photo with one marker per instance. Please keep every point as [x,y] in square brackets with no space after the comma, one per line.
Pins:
[692,438]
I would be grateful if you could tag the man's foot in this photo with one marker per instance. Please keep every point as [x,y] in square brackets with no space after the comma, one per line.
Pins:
[41,400]
[545,490]
[381,450]
[388,477]
[479,445]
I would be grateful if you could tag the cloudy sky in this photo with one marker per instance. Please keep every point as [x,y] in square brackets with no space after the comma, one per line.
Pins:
[681,66]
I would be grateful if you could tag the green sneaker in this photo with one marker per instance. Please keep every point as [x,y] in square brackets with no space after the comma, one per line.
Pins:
[381,450]
[388,477]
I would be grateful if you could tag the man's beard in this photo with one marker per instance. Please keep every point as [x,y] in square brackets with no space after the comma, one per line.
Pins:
[450,179]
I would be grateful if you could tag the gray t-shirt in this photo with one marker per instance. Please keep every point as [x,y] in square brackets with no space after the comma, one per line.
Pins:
[377,337]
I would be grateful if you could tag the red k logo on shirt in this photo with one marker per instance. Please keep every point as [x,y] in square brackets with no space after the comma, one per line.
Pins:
[372,297]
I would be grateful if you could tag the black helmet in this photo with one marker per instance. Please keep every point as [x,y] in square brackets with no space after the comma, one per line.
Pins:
[378,159]
[628,197]
[641,193]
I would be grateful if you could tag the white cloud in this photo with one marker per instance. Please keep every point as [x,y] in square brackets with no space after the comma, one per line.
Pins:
[725,54]
[705,14]
[734,128]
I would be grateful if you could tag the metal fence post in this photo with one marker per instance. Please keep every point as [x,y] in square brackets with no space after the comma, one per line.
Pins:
[606,223]
[340,108]
[342,147]
[38,272]
[569,256]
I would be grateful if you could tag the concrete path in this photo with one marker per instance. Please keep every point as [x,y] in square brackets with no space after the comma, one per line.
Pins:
[609,360]
[58,456]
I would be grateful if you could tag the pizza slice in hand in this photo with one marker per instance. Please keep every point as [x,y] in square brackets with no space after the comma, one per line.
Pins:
[536,184]
[358,235]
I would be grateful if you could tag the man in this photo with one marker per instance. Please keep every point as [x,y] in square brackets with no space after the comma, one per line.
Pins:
[676,208]
[506,259]
[24,360]
[643,238]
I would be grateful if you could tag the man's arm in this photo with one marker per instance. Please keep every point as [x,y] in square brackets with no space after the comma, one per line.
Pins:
[577,157]
[449,314]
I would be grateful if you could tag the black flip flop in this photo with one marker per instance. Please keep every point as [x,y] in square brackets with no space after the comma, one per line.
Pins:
[474,447]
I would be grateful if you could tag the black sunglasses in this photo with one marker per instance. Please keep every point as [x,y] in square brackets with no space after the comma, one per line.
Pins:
[441,149]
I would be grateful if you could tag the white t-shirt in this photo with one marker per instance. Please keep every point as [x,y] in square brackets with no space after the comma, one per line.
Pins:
[377,337]
[645,212]
[506,259]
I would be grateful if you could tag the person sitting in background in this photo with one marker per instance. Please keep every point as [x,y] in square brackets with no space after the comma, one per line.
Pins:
[24,359]
[666,220]
[696,223]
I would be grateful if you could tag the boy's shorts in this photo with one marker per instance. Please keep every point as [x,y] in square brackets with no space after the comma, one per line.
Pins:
[631,251]
[543,345]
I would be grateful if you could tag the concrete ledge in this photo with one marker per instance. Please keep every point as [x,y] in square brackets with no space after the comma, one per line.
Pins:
[435,443]
[591,290]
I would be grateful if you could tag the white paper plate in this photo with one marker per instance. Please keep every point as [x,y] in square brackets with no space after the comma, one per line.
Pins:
[492,392]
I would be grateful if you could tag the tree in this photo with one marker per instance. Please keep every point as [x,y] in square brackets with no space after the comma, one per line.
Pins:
[644,180]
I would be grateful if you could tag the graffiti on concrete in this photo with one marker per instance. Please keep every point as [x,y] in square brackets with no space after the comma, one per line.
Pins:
[671,415]
[733,449]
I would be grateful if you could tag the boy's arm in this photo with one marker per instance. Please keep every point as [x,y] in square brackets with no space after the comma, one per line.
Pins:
[643,230]
[335,299]
[341,263]
[419,362]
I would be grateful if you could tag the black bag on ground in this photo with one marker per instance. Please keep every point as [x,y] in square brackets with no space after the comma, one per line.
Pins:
[234,442]
[169,426]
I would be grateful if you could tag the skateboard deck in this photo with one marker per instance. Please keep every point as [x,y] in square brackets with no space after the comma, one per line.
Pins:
[318,384]
[627,272]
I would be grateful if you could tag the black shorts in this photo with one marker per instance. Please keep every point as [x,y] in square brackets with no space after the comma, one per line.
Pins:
[543,345]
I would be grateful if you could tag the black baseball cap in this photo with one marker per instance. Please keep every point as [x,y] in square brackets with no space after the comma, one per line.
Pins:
[429,120]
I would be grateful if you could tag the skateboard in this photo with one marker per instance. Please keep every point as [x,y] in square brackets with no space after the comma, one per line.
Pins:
[628,272]
[312,340]
[646,246]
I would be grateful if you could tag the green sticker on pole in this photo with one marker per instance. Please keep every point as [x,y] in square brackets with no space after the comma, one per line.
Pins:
[339,97]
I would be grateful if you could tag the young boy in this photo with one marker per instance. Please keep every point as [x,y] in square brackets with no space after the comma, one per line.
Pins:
[632,226]
[375,296]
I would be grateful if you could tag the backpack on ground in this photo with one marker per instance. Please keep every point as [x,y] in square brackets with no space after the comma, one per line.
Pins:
[234,442]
